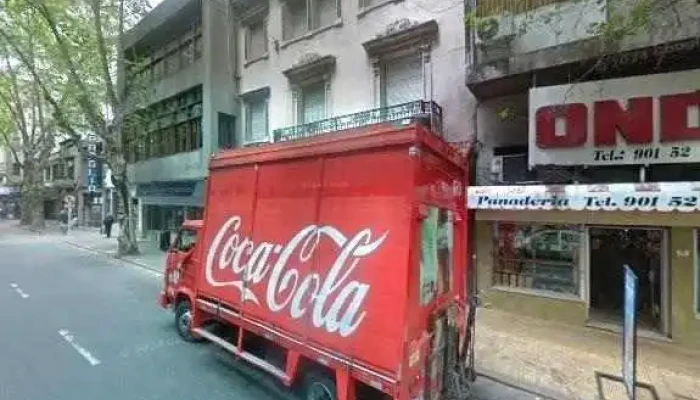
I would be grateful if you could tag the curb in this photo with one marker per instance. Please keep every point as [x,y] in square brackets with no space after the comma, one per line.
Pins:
[542,393]
[104,253]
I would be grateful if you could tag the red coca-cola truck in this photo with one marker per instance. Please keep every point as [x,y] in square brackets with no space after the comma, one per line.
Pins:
[336,263]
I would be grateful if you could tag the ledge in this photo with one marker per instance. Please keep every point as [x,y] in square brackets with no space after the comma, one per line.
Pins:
[538,293]
[311,34]
[254,60]
[256,94]
[366,10]
[515,73]
[414,35]
[304,70]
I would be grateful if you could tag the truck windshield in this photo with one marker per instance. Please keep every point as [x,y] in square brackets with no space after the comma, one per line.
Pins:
[186,240]
[437,236]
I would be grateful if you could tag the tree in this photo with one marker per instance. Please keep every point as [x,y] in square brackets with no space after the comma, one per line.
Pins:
[28,132]
[80,43]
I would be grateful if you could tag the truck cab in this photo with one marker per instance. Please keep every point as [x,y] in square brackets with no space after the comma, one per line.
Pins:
[179,276]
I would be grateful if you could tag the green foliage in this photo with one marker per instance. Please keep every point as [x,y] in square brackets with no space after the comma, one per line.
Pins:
[625,18]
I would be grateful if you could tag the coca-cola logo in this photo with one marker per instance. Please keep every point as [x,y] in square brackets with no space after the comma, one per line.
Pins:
[334,298]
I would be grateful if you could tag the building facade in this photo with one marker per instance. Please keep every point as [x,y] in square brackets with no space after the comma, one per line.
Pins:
[9,184]
[319,66]
[181,54]
[226,75]
[586,163]
[68,180]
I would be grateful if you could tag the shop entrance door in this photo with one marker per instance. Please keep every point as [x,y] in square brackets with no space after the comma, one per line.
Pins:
[641,249]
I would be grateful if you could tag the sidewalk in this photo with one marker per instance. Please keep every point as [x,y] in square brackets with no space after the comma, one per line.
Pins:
[91,239]
[533,354]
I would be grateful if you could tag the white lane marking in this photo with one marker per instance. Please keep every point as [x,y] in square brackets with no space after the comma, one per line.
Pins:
[80,349]
[19,290]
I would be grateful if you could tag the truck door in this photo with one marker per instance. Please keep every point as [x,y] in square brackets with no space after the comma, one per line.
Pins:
[436,289]
[180,262]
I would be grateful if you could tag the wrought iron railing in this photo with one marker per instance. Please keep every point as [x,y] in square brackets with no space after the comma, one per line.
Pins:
[427,111]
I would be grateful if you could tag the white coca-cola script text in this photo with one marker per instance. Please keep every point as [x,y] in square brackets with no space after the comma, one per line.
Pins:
[334,299]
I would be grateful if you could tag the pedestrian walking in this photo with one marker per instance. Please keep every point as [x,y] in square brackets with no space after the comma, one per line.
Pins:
[109,220]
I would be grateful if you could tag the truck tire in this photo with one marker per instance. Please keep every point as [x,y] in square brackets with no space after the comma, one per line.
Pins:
[183,321]
[318,386]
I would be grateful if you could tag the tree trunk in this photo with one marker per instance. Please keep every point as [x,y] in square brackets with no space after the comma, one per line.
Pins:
[25,208]
[32,198]
[128,242]
[37,207]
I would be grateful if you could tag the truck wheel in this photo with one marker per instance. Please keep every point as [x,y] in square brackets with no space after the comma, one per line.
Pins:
[318,386]
[183,321]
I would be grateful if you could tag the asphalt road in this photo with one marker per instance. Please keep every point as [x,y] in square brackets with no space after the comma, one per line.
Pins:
[78,325]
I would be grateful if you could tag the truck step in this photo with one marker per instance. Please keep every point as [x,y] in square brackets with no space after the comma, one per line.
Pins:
[257,361]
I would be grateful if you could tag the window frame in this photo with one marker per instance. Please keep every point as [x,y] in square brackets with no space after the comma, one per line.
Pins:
[247,40]
[247,131]
[325,88]
[364,9]
[180,235]
[384,63]
[577,264]
[313,23]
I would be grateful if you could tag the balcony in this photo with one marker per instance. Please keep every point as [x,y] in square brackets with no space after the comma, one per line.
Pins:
[514,39]
[401,114]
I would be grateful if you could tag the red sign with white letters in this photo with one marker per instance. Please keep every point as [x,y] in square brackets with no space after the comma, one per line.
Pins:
[641,120]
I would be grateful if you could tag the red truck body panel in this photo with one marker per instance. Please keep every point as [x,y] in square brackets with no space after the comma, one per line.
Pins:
[319,240]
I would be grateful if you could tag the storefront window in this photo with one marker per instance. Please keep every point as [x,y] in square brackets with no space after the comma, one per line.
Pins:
[537,256]
[437,232]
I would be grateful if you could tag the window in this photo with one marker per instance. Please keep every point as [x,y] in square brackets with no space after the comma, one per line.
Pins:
[256,126]
[295,19]
[256,40]
[195,134]
[16,168]
[227,124]
[540,257]
[187,53]
[169,127]
[198,47]
[403,80]
[186,240]
[302,16]
[312,102]
[324,13]
[437,239]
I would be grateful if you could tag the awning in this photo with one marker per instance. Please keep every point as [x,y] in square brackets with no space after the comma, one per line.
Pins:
[663,196]
[183,193]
